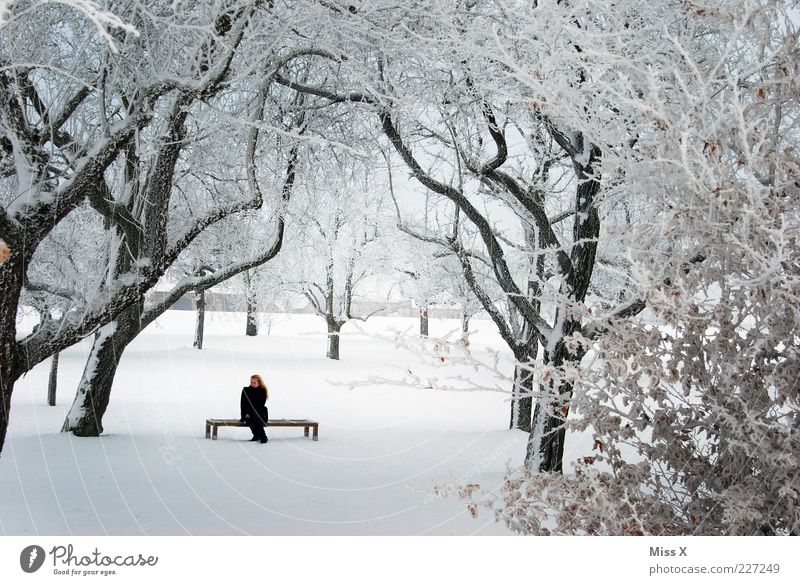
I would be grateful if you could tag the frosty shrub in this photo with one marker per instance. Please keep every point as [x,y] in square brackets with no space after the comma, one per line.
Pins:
[693,403]
[695,419]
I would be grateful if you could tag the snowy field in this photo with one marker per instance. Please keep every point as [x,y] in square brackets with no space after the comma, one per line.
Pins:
[381,451]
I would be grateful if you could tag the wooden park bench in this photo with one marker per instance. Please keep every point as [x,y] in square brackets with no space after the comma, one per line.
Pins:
[212,424]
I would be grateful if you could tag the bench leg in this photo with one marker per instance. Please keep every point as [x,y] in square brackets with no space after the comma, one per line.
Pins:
[214,433]
[305,431]
[316,433]
[208,431]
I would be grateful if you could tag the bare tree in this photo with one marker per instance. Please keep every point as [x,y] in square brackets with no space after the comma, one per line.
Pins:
[340,244]
[69,133]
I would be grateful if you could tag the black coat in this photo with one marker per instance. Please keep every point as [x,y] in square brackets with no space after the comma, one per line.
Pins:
[254,403]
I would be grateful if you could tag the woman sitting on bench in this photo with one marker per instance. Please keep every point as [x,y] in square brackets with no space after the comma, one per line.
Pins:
[253,406]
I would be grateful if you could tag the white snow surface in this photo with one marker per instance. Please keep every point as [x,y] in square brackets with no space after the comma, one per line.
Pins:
[381,451]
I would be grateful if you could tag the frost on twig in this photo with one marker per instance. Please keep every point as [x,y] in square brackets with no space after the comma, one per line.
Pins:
[103,20]
[446,363]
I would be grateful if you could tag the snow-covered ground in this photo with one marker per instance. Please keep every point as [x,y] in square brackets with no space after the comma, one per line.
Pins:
[382,448]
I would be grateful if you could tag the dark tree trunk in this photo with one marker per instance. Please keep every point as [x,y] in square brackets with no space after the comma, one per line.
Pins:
[545,450]
[522,399]
[525,362]
[200,299]
[11,278]
[7,379]
[85,418]
[53,382]
[251,330]
[7,388]
[423,322]
[334,328]
[465,317]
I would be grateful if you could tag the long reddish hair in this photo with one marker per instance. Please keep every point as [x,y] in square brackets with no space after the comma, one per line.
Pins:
[260,383]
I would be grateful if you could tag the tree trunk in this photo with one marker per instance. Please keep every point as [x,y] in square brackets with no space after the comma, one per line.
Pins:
[251,330]
[11,278]
[200,299]
[53,382]
[7,388]
[334,327]
[423,322]
[522,399]
[545,450]
[85,417]
[465,317]
[522,393]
